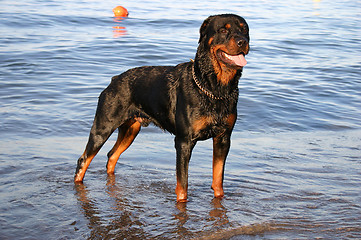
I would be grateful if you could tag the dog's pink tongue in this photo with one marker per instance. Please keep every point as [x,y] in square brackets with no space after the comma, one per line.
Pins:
[239,60]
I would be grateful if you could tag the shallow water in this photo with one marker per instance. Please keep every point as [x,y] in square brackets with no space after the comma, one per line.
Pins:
[294,168]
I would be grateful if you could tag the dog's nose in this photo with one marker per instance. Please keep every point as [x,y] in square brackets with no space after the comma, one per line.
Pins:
[241,41]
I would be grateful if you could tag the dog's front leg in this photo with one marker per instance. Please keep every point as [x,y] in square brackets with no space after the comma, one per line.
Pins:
[184,149]
[221,145]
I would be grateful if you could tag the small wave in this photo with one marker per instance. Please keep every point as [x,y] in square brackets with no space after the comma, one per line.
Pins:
[252,229]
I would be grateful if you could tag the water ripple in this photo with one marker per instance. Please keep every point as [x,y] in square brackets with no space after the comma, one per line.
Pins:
[293,170]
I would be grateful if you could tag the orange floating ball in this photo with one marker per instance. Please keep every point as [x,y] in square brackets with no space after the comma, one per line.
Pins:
[120,11]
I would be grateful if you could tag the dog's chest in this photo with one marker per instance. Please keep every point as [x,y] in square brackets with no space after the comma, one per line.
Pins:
[208,126]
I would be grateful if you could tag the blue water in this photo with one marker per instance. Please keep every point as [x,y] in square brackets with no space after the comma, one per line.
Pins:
[294,168]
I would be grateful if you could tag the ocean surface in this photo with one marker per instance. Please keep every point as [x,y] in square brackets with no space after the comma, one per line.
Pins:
[294,168]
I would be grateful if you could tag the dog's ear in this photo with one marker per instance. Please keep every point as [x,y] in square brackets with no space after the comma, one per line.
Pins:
[203,29]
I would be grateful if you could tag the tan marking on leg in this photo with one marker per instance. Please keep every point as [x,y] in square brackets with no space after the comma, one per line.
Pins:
[122,144]
[231,120]
[217,184]
[181,193]
[201,123]
[81,173]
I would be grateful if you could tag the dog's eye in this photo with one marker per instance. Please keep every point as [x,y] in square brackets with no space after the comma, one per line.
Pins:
[223,30]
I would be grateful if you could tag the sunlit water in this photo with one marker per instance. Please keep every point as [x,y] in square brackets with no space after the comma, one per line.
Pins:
[294,169]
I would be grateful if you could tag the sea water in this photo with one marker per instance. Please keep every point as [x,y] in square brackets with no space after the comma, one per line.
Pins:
[294,168]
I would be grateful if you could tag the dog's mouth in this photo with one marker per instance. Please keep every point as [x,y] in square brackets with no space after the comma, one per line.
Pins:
[232,60]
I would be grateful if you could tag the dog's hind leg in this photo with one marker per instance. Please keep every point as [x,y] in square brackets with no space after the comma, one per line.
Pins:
[106,120]
[97,138]
[127,133]
[83,163]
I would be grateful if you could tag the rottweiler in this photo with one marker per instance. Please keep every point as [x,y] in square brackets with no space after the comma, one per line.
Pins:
[195,100]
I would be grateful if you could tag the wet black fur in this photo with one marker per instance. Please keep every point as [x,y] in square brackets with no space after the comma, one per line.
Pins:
[169,97]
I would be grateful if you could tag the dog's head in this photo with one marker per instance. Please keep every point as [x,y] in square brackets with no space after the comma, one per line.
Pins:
[226,38]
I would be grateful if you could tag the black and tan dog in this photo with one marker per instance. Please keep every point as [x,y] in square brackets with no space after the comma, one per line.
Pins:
[194,101]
